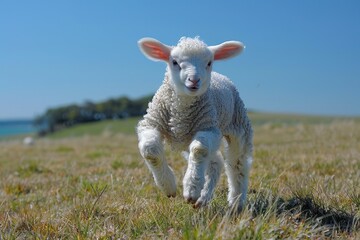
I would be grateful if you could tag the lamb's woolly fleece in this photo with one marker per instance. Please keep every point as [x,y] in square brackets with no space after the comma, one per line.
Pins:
[179,118]
[192,46]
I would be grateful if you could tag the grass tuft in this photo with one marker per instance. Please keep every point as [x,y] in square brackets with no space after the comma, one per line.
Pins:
[29,168]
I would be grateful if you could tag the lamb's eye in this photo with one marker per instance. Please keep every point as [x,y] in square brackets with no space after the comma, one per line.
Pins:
[209,64]
[175,63]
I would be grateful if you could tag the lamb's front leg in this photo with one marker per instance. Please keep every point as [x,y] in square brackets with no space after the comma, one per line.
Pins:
[211,178]
[203,145]
[152,150]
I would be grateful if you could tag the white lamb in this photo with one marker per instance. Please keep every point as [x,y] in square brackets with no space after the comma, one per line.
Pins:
[193,110]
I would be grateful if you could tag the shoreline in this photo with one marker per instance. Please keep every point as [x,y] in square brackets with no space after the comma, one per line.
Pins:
[16,128]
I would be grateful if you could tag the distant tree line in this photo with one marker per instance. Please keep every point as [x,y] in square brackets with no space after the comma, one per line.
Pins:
[55,119]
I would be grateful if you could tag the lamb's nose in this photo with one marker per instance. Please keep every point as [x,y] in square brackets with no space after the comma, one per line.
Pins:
[194,80]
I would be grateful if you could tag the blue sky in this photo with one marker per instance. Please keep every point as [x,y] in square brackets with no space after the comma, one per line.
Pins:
[300,56]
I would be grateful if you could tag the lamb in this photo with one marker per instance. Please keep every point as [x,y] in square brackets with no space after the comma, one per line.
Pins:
[193,110]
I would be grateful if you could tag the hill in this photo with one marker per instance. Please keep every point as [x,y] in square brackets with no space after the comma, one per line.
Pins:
[59,118]
[127,126]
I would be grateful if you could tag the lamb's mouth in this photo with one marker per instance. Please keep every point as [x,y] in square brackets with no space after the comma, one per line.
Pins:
[192,87]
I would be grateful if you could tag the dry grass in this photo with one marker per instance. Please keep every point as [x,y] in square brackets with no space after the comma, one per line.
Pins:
[304,184]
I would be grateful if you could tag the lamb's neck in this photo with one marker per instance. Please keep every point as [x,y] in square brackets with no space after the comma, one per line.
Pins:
[183,101]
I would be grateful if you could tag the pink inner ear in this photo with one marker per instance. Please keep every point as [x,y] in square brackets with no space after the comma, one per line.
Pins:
[226,51]
[156,51]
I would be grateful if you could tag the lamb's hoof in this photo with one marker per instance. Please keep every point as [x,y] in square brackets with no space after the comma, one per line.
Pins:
[200,203]
[173,195]
[191,200]
[191,196]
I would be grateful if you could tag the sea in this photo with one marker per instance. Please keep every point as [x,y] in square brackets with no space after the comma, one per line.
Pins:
[16,127]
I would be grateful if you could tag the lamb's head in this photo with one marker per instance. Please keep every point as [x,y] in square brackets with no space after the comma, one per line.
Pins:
[190,61]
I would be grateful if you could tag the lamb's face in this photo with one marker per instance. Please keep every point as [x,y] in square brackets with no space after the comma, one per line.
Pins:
[190,70]
[190,62]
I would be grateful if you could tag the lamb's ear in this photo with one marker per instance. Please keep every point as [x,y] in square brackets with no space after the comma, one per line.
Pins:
[227,50]
[154,49]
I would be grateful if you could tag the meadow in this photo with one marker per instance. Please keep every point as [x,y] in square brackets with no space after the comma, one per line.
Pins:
[89,182]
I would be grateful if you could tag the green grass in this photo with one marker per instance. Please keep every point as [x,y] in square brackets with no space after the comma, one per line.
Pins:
[108,127]
[89,182]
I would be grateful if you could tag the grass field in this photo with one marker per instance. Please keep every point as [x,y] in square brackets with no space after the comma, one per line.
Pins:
[89,182]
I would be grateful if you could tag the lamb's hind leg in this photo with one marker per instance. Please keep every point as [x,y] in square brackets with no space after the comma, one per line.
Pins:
[152,150]
[237,166]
